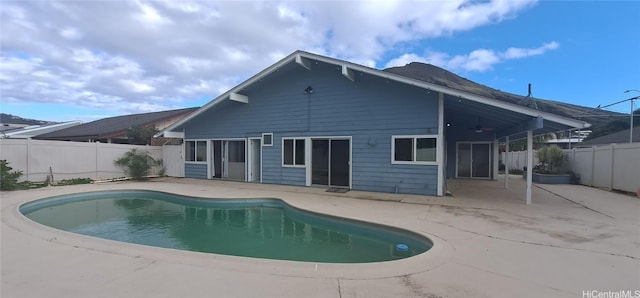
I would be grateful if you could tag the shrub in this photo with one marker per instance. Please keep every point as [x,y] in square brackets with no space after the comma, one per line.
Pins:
[137,164]
[74,181]
[8,178]
[551,158]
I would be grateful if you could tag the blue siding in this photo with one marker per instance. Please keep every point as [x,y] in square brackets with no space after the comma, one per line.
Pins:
[192,170]
[370,110]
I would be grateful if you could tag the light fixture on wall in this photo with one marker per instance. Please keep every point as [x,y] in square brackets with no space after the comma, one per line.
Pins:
[309,90]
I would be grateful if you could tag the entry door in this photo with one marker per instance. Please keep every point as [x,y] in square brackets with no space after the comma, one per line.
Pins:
[254,160]
[474,160]
[330,164]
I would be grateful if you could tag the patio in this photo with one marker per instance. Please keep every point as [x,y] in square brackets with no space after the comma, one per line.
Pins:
[487,244]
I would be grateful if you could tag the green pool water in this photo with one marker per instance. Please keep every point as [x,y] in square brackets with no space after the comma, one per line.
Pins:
[260,228]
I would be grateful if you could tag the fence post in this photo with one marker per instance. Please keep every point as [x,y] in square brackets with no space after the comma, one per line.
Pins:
[97,150]
[593,164]
[612,148]
[28,156]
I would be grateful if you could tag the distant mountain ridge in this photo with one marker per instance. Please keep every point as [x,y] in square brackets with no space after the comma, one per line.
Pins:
[13,119]
[439,76]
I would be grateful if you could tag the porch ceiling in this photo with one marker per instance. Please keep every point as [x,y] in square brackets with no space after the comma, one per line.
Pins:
[466,113]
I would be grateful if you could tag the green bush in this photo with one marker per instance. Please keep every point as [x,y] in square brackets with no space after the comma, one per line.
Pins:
[550,158]
[8,178]
[74,181]
[137,164]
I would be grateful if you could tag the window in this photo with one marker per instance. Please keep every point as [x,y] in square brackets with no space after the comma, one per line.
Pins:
[267,139]
[195,151]
[293,152]
[413,149]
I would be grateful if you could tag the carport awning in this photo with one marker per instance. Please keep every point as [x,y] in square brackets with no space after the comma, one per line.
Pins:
[505,119]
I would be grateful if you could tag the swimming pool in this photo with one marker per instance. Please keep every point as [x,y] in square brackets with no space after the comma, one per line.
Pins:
[259,228]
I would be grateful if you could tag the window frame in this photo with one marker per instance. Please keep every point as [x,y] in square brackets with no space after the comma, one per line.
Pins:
[265,144]
[294,150]
[414,139]
[195,151]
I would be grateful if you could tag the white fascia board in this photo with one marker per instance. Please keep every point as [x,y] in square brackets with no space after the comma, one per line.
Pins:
[174,134]
[452,92]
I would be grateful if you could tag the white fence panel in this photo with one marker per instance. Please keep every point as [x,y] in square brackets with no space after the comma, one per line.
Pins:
[602,162]
[580,161]
[518,159]
[38,158]
[615,166]
[173,160]
[626,163]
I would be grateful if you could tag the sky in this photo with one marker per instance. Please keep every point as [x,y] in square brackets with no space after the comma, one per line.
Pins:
[86,60]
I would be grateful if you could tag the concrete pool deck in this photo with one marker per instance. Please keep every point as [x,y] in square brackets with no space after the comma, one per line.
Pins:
[487,243]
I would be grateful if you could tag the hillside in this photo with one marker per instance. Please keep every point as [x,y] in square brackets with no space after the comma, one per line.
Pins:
[435,75]
[12,119]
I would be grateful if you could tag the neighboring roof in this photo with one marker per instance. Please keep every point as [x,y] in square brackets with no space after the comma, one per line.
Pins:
[620,137]
[106,127]
[305,59]
[36,130]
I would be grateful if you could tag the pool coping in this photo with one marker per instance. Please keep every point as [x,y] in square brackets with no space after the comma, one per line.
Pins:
[440,253]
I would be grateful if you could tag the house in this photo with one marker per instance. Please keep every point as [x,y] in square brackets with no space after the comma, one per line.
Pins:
[114,129]
[620,137]
[311,120]
[32,131]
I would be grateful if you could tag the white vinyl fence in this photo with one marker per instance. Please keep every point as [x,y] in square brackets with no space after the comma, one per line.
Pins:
[38,159]
[517,159]
[173,160]
[615,166]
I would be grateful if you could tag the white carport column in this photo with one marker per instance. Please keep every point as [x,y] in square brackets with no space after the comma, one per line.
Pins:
[440,146]
[529,164]
[496,157]
[506,163]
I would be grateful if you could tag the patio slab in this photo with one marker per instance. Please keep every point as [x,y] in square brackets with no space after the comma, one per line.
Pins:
[487,243]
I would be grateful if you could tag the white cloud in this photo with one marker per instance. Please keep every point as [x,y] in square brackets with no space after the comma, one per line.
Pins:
[147,55]
[478,60]
[516,53]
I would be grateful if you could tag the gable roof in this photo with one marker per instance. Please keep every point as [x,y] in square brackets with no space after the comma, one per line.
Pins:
[305,59]
[620,137]
[104,128]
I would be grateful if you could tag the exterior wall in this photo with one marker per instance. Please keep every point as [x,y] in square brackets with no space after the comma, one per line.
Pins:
[370,110]
[67,160]
[192,170]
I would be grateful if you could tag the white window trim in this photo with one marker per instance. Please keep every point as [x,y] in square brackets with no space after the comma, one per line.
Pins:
[262,140]
[184,149]
[414,162]
[294,153]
